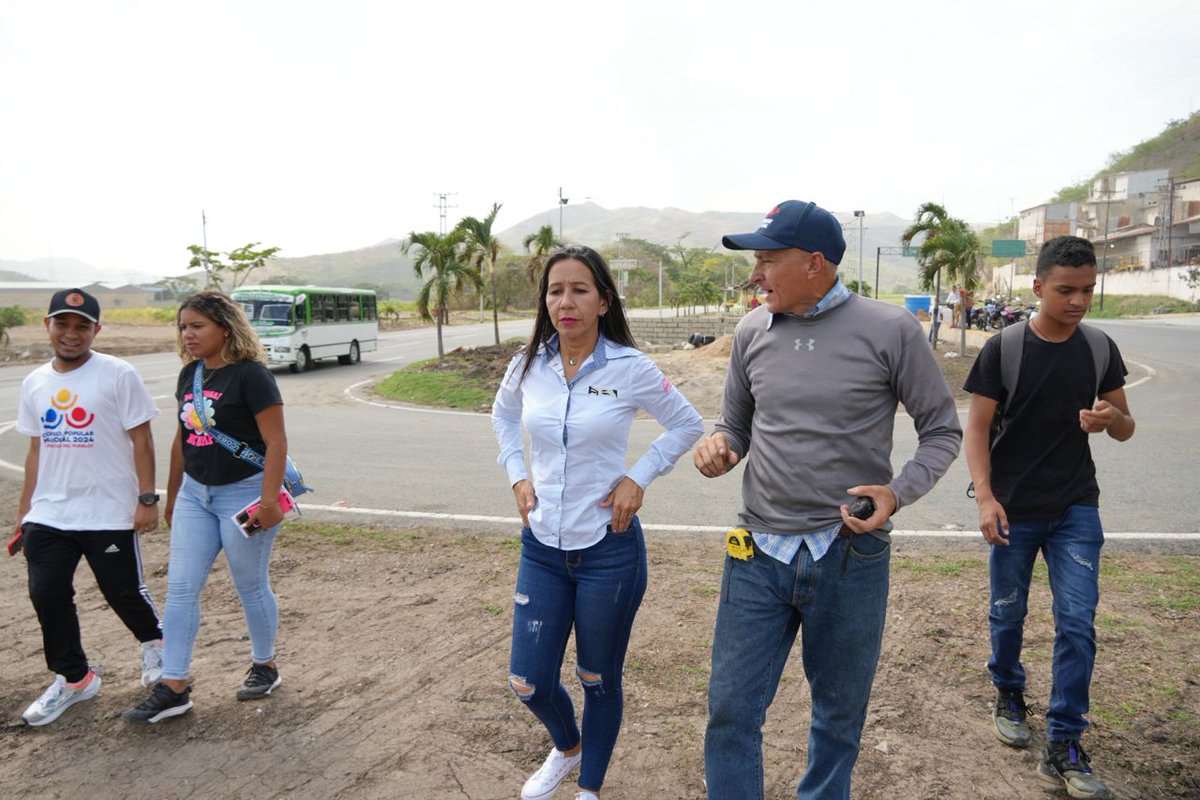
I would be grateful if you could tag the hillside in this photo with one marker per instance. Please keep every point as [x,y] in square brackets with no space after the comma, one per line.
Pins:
[1177,149]
[383,265]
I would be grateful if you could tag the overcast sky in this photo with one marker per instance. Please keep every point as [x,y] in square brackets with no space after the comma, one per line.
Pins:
[319,127]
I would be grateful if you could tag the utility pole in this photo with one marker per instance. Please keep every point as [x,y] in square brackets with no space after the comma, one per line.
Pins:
[1106,190]
[442,204]
[860,215]
[562,201]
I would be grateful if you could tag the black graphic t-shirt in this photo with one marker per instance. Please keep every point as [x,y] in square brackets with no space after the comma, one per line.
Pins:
[1043,464]
[233,394]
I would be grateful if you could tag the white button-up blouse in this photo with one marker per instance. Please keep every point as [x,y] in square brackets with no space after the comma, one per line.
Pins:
[579,432]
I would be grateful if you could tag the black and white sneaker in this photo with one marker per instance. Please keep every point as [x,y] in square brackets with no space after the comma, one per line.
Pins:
[161,704]
[261,680]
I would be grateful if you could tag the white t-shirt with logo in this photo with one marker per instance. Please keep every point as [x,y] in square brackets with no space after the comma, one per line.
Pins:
[86,477]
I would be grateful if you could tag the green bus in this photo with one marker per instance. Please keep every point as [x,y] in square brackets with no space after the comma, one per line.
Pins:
[302,324]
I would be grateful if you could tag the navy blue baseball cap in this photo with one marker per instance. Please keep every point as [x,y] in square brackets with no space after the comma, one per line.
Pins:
[794,223]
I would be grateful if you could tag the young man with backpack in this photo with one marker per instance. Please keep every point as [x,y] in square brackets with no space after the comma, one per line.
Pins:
[1039,390]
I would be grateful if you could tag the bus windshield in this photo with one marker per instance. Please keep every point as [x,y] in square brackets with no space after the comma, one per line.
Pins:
[266,312]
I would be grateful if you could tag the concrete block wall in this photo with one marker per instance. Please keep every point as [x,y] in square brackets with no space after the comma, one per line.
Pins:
[676,330]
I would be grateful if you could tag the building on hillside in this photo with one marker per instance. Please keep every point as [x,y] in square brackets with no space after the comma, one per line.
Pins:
[1040,224]
[37,294]
[1178,239]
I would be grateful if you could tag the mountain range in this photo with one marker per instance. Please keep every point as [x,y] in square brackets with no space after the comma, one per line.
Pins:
[384,265]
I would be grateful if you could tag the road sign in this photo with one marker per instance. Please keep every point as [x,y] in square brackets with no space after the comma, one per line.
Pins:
[1008,248]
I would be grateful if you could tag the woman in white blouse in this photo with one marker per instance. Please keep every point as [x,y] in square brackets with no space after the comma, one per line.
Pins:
[576,388]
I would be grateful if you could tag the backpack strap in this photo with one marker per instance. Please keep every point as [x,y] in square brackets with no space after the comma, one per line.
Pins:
[1098,342]
[1012,347]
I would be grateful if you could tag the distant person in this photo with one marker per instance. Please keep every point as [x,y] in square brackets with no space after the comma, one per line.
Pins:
[814,381]
[88,493]
[1036,491]
[576,388]
[967,298]
[954,303]
[207,485]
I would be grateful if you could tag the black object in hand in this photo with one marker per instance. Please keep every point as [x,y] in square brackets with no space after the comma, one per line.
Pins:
[862,508]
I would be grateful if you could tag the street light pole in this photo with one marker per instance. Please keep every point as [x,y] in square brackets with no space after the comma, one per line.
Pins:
[562,201]
[860,215]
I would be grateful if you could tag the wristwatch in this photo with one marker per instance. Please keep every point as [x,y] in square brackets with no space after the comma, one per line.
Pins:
[148,499]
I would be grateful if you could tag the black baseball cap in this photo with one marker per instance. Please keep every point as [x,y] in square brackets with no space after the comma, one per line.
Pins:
[75,301]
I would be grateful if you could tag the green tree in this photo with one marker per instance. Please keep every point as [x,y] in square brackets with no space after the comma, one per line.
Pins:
[541,244]
[949,245]
[245,260]
[854,287]
[236,266]
[210,262]
[175,288]
[482,245]
[439,259]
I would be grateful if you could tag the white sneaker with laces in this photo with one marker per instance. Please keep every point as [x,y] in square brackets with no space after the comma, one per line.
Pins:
[544,783]
[57,698]
[152,662]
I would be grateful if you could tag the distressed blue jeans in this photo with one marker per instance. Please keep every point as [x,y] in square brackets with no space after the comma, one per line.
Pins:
[596,590]
[1071,546]
[840,601]
[200,529]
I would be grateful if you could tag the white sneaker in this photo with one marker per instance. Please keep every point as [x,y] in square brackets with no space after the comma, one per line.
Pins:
[57,698]
[586,795]
[544,783]
[152,662]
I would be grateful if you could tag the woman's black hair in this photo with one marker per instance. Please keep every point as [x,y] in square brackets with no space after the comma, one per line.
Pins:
[613,325]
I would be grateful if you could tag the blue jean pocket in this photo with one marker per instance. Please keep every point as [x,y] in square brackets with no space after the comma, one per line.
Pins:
[865,547]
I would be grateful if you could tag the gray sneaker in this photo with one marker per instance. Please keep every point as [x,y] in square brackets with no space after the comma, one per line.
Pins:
[1065,766]
[1008,720]
[58,697]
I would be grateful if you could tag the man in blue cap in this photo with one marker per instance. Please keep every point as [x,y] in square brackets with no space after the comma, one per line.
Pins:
[815,377]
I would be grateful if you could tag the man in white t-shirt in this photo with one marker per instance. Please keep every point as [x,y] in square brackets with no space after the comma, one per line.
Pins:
[88,492]
[953,302]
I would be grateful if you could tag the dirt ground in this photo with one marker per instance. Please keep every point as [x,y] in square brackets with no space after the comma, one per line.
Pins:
[394,649]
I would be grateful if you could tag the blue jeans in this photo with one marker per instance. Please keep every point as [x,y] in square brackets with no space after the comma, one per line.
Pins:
[841,602]
[201,528]
[1071,546]
[597,590]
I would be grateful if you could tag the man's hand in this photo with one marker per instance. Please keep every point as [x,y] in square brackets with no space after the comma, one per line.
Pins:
[885,506]
[526,499]
[713,457]
[1100,417]
[993,521]
[145,518]
[625,500]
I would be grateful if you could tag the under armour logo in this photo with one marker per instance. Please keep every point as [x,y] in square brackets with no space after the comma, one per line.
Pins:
[809,344]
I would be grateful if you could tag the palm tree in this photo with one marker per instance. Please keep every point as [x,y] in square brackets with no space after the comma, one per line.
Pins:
[541,244]
[482,245]
[442,257]
[949,245]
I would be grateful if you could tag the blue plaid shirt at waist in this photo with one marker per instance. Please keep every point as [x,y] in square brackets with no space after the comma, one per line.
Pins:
[784,548]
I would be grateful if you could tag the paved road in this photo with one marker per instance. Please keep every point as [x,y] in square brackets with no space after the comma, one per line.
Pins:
[410,464]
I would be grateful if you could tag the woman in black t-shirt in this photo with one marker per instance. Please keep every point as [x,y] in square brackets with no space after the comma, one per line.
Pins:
[208,485]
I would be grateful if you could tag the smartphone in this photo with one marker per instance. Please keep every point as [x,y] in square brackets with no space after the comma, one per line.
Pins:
[248,526]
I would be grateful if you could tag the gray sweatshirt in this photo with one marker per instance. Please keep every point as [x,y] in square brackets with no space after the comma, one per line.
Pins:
[813,402]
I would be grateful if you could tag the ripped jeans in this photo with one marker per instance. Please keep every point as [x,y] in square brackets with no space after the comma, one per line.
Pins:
[596,590]
[1071,546]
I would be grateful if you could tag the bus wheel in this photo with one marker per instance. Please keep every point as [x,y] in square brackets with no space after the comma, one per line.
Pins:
[354,356]
[303,360]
